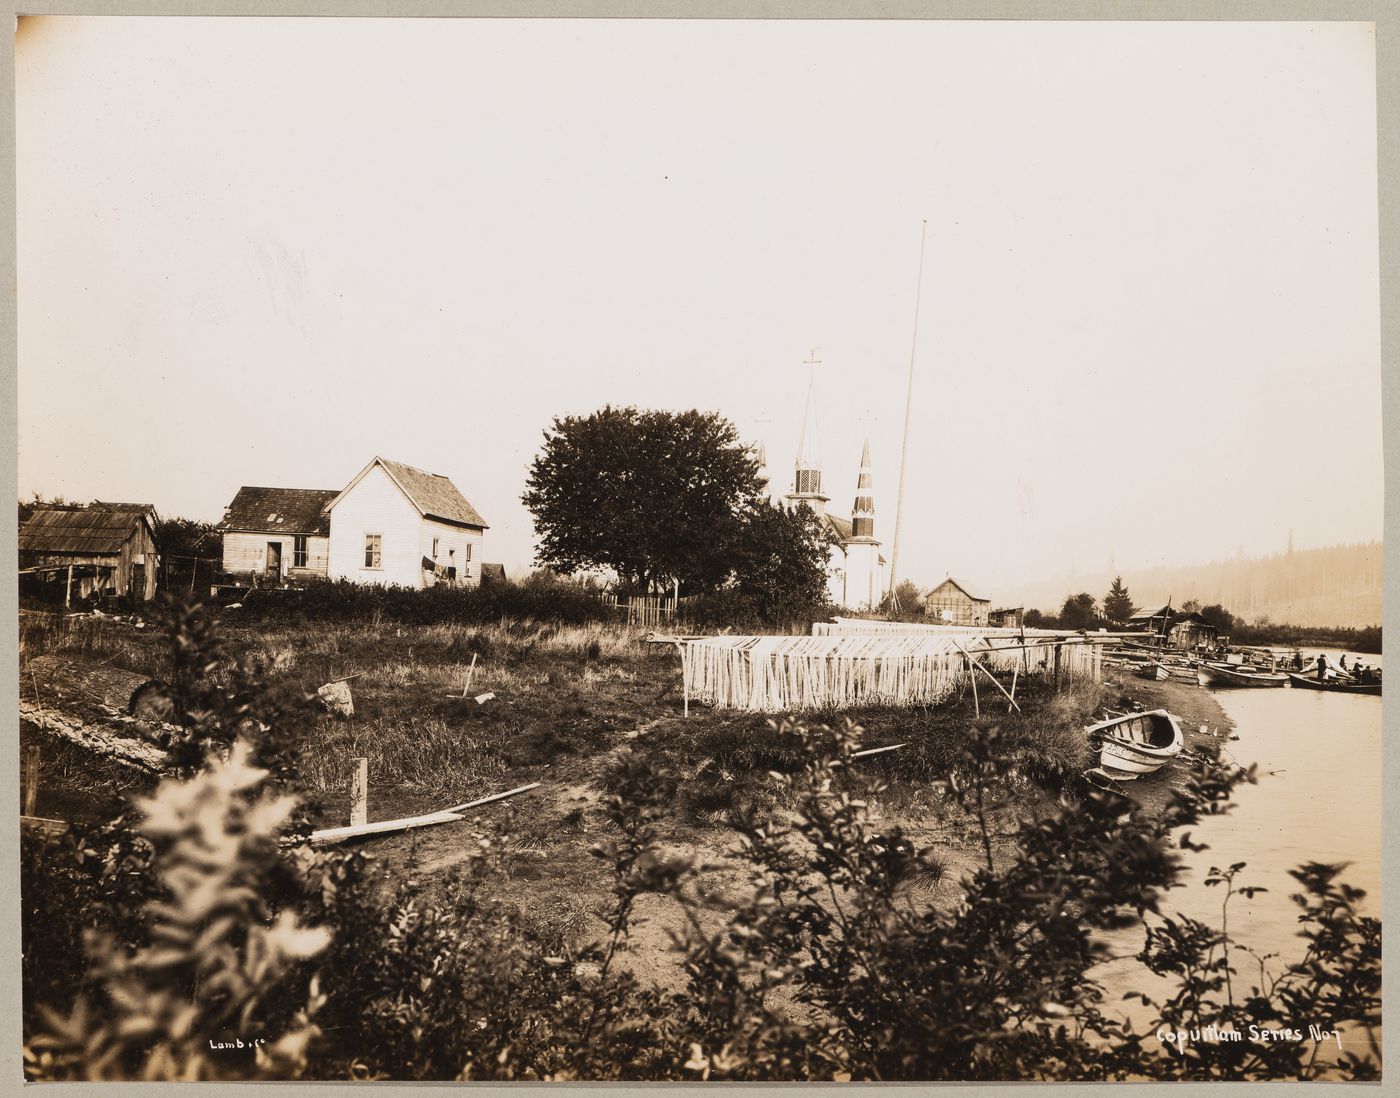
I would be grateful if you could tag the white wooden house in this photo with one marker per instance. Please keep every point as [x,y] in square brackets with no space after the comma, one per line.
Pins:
[394,524]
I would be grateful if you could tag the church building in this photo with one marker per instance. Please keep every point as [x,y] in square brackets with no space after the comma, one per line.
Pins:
[856,579]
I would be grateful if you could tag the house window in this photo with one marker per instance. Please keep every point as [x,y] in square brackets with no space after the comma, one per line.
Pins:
[467,551]
[299,551]
[435,547]
[372,550]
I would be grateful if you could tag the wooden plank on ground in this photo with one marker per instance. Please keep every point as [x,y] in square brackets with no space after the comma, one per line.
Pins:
[408,823]
[383,827]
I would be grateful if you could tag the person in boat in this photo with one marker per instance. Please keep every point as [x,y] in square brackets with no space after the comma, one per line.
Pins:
[1321,667]
[1343,663]
[1297,660]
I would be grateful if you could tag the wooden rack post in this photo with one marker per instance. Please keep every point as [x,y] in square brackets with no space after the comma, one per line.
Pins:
[359,794]
[31,779]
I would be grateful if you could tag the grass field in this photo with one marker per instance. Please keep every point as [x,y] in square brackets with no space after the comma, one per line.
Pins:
[569,703]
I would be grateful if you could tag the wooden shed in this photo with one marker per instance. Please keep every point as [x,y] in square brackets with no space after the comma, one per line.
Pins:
[1010,617]
[1191,631]
[277,533]
[950,603]
[100,549]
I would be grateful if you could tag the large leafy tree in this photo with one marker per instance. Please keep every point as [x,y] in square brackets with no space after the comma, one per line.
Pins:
[654,496]
[1118,604]
[1079,612]
[1218,616]
[779,564]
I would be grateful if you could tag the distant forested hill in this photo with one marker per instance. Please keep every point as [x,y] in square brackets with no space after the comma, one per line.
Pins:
[1340,585]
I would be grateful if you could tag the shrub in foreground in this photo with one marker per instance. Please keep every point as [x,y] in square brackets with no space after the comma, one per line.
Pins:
[298,948]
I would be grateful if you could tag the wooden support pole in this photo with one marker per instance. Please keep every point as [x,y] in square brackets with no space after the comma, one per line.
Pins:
[685,686]
[31,779]
[1015,670]
[1057,667]
[68,588]
[974,665]
[976,705]
[359,794]
[466,686]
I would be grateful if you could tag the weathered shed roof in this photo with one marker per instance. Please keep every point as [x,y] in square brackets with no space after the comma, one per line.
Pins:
[960,587]
[97,530]
[434,495]
[1149,615]
[280,510]
[146,509]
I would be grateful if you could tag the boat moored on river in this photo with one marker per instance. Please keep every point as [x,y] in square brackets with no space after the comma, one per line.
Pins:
[1336,686]
[1216,674]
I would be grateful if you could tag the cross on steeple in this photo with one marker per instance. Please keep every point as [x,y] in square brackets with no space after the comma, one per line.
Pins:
[807,478]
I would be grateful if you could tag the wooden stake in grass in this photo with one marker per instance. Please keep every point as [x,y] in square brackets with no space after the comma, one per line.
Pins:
[31,779]
[359,794]
[467,686]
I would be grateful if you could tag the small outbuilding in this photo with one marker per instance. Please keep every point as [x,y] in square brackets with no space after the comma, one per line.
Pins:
[103,549]
[950,603]
[1190,631]
[1011,617]
[278,534]
[1152,621]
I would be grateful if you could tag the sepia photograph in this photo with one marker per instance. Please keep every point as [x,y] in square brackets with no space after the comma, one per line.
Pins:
[698,550]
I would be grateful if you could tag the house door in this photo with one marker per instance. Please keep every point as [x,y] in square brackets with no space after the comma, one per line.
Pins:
[274,560]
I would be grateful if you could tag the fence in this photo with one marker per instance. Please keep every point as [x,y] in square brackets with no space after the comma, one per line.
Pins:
[645,609]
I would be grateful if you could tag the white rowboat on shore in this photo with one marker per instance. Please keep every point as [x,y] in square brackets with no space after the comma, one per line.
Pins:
[1139,743]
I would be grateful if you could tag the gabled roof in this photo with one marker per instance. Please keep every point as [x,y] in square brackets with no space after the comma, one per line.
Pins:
[98,529]
[1193,617]
[435,496]
[280,510]
[960,587]
[146,509]
[1148,615]
[839,527]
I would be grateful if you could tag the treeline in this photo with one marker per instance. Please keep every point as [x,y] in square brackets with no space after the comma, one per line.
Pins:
[1083,611]
[1338,585]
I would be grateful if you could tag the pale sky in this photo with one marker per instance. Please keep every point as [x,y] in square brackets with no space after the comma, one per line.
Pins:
[261,251]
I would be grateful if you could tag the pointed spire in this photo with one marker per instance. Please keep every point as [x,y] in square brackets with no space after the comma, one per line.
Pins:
[863,514]
[763,477]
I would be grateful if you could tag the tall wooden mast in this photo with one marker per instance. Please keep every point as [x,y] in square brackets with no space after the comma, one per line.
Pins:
[904,446]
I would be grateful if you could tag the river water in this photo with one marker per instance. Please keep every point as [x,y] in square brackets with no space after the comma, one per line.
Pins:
[1318,799]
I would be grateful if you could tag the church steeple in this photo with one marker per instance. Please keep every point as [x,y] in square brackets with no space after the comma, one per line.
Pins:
[807,470]
[863,513]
